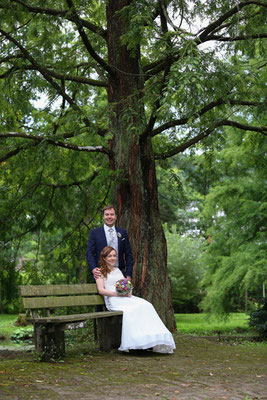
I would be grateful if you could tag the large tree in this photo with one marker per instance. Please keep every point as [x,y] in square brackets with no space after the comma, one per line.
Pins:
[128,83]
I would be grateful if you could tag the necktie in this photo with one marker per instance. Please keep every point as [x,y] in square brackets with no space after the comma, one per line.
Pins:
[113,241]
[111,237]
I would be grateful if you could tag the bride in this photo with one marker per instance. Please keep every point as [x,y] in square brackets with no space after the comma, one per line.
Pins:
[142,328]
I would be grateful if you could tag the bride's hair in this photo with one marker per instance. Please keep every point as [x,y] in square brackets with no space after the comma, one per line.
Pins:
[102,262]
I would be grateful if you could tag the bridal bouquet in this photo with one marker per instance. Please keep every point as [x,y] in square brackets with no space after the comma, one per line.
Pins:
[123,286]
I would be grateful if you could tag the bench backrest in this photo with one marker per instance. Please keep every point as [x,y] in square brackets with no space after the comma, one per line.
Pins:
[35,297]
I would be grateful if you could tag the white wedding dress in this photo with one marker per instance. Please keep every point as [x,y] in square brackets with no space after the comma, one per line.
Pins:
[142,328]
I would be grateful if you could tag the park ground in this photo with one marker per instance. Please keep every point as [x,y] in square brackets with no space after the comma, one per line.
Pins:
[198,369]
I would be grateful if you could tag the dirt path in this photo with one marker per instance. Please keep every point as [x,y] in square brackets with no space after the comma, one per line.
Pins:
[199,369]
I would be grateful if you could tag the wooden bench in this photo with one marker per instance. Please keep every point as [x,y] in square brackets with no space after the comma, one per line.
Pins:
[41,302]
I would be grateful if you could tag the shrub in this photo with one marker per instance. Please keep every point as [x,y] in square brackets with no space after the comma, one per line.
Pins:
[258,319]
[23,335]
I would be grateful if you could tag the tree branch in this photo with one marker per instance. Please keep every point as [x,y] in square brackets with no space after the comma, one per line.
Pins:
[182,147]
[214,25]
[79,79]
[8,72]
[88,46]
[62,13]
[57,75]
[228,24]
[67,185]
[208,107]
[260,129]
[15,152]
[38,140]
[236,38]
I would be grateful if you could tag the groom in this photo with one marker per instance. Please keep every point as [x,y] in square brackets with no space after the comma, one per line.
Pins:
[109,235]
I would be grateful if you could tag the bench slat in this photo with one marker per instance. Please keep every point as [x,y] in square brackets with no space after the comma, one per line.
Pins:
[74,317]
[53,290]
[66,301]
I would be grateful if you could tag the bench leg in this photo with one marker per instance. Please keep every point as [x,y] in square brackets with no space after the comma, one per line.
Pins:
[109,332]
[49,342]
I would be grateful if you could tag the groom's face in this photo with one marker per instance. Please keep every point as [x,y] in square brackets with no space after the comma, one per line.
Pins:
[110,217]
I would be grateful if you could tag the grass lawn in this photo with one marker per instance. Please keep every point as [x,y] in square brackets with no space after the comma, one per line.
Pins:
[190,324]
[7,328]
[203,324]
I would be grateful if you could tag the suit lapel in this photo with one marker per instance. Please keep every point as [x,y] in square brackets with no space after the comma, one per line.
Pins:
[119,236]
[103,235]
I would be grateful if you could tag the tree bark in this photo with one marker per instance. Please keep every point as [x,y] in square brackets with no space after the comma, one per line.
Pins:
[136,196]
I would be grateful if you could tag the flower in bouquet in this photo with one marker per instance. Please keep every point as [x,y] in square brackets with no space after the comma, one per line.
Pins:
[123,286]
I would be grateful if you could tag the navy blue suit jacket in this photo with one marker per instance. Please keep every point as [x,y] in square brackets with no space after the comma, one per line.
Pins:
[97,241]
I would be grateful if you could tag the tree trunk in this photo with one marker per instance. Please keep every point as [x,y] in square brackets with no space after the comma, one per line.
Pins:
[136,195]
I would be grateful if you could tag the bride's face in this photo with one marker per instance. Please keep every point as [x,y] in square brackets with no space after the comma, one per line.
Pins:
[111,258]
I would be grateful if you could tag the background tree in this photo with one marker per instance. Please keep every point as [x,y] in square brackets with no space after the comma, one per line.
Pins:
[128,82]
[236,208]
[185,271]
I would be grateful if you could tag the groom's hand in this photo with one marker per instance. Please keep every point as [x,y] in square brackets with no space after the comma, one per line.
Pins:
[96,273]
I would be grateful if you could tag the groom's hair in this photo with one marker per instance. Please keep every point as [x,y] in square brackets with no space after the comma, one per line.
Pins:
[109,207]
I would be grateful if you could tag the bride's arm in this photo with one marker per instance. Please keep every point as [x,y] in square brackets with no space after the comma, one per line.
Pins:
[101,289]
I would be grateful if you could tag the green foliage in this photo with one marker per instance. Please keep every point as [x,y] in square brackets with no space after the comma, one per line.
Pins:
[183,183]
[9,279]
[171,194]
[138,16]
[198,176]
[185,271]
[235,255]
[23,335]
